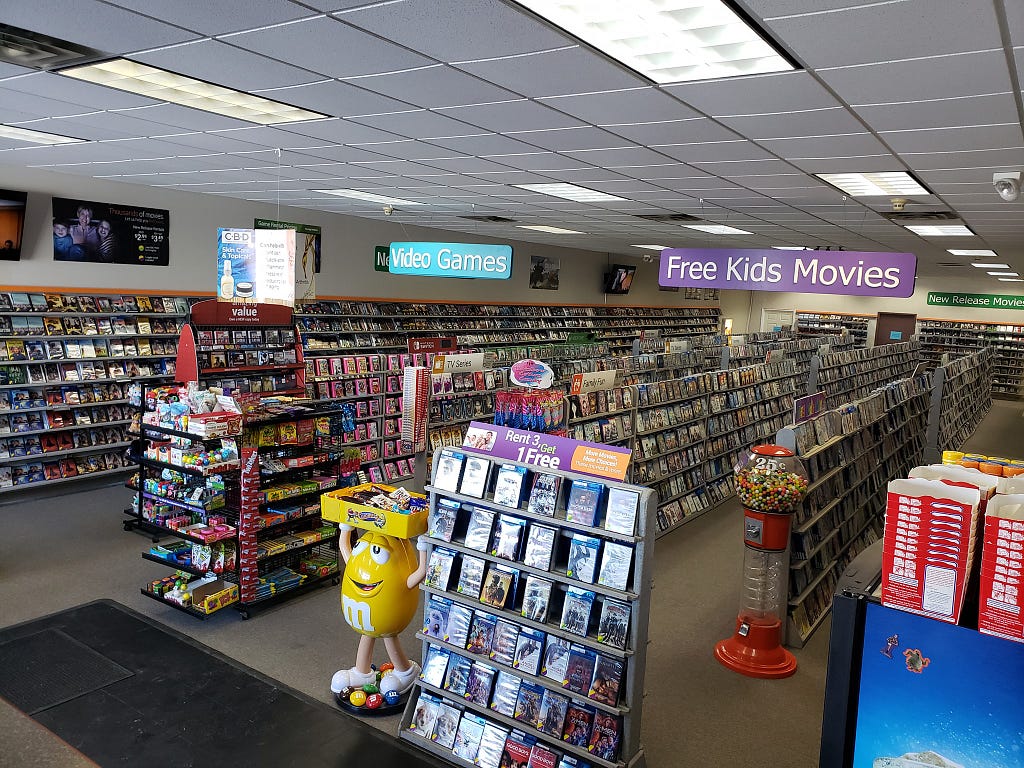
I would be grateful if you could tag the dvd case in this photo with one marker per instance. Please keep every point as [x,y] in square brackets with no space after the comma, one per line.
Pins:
[615,562]
[583,551]
[508,486]
[540,545]
[536,597]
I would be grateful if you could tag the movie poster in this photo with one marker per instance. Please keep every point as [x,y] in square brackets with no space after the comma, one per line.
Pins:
[544,273]
[110,233]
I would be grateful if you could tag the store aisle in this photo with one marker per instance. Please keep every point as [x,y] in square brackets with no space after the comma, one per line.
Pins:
[60,552]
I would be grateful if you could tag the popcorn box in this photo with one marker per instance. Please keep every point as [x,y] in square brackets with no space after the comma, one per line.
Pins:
[1001,605]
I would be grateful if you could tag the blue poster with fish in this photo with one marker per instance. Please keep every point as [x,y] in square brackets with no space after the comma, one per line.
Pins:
[935,695]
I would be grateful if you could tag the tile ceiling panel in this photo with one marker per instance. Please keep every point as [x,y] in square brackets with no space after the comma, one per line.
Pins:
[195,143]
[713,151]
[406,149]
[337,131]
[217,18]
[485,144]
[755,95]
[862,164]
[941,113]
[519,115]
[10,70]
[571,138]
[331,97]
[87,95]
[632,105]
[420,124]
[80,153]
[876,32]
[95,127]
[434,87]
[1007,158]
[457,30]
[467,165]
[818,122]
[625,157]
[92,24]
[174,117]
[825,146]
[673,132]
[956,139]
[40,105]
[227,65]
[555,73]
[656,173]
[931,78]
[329,47]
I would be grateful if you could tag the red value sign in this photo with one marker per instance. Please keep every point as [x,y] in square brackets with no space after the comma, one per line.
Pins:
[433,344]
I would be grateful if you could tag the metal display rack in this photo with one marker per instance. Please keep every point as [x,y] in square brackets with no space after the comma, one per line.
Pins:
[627,708]
[848,375]
[961,396]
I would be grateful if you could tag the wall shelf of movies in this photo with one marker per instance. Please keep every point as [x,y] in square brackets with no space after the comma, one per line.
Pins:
[66,364]
[961,396]
[535,616]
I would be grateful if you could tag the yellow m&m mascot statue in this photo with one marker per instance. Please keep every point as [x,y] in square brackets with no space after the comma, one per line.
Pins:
[378,588]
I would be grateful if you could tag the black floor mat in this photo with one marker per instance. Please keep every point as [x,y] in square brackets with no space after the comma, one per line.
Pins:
[125,690]
[48,668]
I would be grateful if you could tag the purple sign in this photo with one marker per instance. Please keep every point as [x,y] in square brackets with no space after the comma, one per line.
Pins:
[548,451]
[849,273]
[806,408]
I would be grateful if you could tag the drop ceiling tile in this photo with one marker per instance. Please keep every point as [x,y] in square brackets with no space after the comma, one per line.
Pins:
[338,131]
[467,164]
[11,70]
[194,143]
[408,149]
[77,153]
[932,78]
[1008,158]
[875,32]
[458,30]
[174,116]
[101,125]
[10,116]
[646,104]
[511,116]
[417,124]
[483,144]
[565,139]
[862,164]
[87,95]
[434,87]
[539,161]
[673,132]
[93,24]
[211,19]
[958,175]
[956,139]
[329,47]
[942,113]
[817,122]
[338,154]
[825,146]
[39,105]
[554,73]
[713,151]
[78,128]
[755,94]
[227,65]
[622,157]
[332,97]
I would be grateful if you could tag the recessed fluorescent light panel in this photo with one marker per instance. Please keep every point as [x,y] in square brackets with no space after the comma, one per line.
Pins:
[1011,280]
[34,137]
[718,229]
[160,84]
[368,197]
[1004,274]
[972,252]
[874,184]
[940,230]
[571,192]
[550,230]
[650,247]
[667,41]
[790,247]
[981,265]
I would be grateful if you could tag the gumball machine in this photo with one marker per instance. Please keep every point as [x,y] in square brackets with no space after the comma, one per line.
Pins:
[771,482]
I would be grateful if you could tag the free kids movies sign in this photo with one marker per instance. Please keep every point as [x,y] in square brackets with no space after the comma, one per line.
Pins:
[491,262]
[849,273]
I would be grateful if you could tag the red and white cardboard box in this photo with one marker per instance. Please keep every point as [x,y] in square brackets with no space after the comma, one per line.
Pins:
[929,546]
[1001,605]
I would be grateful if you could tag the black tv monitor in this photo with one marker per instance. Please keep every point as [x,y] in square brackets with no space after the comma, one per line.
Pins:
[619,279]
[907,691]
[12,223]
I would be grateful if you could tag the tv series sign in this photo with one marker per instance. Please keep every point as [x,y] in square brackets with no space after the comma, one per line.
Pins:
[110,233]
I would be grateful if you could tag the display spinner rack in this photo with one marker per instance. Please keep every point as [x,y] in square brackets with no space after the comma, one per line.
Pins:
[66,360]
[850,454]
[852,374]
[628,705]
[827,324]
[960,398]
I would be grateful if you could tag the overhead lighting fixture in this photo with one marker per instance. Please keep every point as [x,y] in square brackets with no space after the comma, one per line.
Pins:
[156,83]
[1011,280]
[718,229]
[650,247]
[571,192]
[668,41]
[550,230]
[971,252]
[940,230]
[369,197]
[35,137]
[1004,274]
[874,184]
[791,248]
[981,265]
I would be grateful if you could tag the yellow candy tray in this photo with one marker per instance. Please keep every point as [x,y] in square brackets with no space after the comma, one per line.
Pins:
[339,507]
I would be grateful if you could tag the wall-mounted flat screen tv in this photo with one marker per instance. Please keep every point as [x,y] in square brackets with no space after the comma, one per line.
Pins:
[619,279]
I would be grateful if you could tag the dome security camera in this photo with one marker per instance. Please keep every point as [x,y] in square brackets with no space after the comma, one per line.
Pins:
[388,210]
[1007,185]
[898,203]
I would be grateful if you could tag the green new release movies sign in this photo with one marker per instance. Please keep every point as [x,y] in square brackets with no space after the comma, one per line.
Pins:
[380,258]
[979,300]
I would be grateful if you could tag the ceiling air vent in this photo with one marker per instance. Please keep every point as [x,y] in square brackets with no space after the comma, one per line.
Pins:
[924,217]
[667,217]
[490,219]
[37,51]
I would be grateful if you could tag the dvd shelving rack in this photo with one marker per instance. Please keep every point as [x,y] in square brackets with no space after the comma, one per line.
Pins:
[1007,343]
[851,374]
[828,324]
[851,453]
[615,711]
[952,337]
[961,396]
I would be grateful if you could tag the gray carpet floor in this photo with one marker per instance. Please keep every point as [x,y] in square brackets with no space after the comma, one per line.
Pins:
[62,551]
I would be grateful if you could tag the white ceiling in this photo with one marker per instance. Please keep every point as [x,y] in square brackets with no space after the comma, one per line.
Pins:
[450,103]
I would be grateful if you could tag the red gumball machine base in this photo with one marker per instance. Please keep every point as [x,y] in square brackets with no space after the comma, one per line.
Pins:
[754,650]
